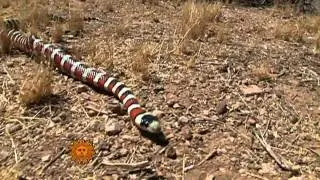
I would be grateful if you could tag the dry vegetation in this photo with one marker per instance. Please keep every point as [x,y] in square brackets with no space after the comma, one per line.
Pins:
[222,74]
[36,86]
[76,22]
[196,17]
[299,30]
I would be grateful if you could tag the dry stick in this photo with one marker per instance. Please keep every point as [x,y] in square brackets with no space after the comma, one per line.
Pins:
[96,159]
[209,156]
[13,146]
[256,176]
[282,164]
[126,165]
[183,165]
[53,160]
[96,110]
[313,151]
[265,131]
[8,74]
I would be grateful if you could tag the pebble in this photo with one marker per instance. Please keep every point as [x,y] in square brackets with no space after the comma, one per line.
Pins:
[171,153]
[187,135]
[183,119]
[158,113]
[123,152]
[12,128]
[176,106]
[4,155]
[206,112]
[171,99]
[112,129]
[130,138]
[251,90]
[158,89]
[222,107]
[252,121]
[45,158]
[82,88]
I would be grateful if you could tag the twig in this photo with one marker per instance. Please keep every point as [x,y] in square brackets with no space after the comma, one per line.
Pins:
[96,110]
[313,151]
[183,165]
[13,145]
[53,160]
[209,156]
[265,131]
[281,163]
[256,176]
[96,159]
[126,165]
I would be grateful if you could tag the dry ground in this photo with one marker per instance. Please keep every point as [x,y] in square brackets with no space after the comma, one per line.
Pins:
[184,82]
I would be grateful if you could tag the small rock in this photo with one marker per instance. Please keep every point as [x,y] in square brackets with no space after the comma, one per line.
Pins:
[210,177]
[45,158]
[176,106]
[130,138]
[267,168]
[4,155]
[113,129]
[171,99]
[158,113]
[183,119]
[117,108]
[222,107]
[107,178]
[192,83]
[171,153]
[123,152]
[82,88]
[251,90]
[187,134]
[158,89]
[206,112]
[156,20]
[12,128]
[10,64]
[203,131]
[252,121]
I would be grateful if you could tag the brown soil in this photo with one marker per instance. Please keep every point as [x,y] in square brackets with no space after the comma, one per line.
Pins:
[185,88]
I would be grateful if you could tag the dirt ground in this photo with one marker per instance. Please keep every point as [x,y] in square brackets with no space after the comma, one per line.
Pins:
[215,96]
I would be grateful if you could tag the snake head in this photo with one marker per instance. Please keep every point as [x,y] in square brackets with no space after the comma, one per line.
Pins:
[148,122]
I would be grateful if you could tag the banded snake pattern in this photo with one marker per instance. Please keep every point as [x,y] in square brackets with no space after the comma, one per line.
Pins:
[69,65]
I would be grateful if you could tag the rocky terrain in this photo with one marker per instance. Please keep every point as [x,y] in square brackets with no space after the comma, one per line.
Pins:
[236,89]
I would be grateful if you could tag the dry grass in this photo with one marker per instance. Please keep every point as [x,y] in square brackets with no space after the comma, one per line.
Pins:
[57,33]
[196,17]
[101,54]
[76,22]
[107,6]
[262,71]
[290,31]
[35,16]
[9,174]
[122,29]
[143,55]
[5,3]
[296,30]
[316,48]
[5,44]
[310,24]
[36,86]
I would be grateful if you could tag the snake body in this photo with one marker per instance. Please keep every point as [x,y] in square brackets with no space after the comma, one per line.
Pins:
[69,65]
